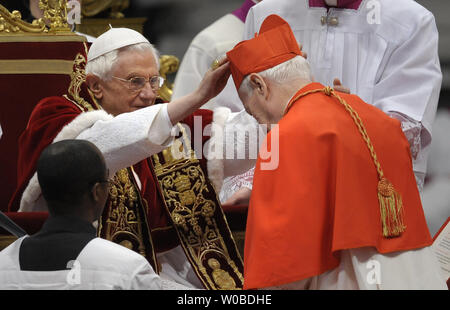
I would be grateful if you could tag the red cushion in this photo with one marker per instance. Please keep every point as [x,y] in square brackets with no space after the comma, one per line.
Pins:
[20,93]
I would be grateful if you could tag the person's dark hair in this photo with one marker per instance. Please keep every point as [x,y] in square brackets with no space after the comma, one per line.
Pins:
[67,170]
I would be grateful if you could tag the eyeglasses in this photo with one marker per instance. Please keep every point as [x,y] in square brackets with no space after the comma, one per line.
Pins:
[137,83]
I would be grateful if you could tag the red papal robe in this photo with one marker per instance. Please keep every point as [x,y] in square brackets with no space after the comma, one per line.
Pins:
[310,215]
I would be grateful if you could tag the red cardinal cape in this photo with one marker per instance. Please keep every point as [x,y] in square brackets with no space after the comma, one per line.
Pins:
[322,197]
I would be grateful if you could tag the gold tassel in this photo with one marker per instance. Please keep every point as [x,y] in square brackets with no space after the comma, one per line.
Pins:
[391,209]
[391,206]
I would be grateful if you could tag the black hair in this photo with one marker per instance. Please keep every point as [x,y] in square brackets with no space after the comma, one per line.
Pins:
[67,170]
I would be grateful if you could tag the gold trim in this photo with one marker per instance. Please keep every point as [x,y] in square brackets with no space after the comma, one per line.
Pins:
[36,66]
[42,38]
[6,240]
[168,64]
[77,78]
[12,23]
[55,14]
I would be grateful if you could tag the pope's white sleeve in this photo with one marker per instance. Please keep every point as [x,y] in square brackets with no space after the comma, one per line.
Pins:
[144,278]
[131,137]
[411,80]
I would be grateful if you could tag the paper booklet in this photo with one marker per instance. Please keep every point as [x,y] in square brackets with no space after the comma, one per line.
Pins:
[441,247]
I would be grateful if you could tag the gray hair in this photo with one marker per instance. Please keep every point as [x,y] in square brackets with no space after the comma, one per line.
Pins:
[102,65]
[294,68]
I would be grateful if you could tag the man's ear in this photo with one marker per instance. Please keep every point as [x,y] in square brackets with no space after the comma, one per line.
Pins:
[97,192]
[93,82]
[259,85]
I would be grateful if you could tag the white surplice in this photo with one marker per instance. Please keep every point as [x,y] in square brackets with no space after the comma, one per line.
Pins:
[101,265]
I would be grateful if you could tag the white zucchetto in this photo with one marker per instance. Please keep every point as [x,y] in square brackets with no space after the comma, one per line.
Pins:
[113,39]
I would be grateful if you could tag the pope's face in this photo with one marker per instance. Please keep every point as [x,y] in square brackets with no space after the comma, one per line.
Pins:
[117,98]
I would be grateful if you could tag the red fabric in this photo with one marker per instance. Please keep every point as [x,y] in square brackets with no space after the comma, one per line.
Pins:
[40,50]
[322,197]
[274,45]
[46,121]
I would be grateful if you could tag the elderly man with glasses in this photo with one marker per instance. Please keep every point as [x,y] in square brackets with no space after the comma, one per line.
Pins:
[171,219]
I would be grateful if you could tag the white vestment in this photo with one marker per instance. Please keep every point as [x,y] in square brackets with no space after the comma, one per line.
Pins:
[386,55]
[366,269]
[101,265]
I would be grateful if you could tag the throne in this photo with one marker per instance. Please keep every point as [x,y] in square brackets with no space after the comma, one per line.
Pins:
[36,61]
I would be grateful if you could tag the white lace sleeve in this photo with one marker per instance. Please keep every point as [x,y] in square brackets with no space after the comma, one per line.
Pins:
[232,184]
[413,133]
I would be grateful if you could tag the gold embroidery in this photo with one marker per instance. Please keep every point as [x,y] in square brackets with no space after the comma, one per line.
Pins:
[220,276]
[12,23]
[197,216]
[77,78]
[35,66]
[124,224]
